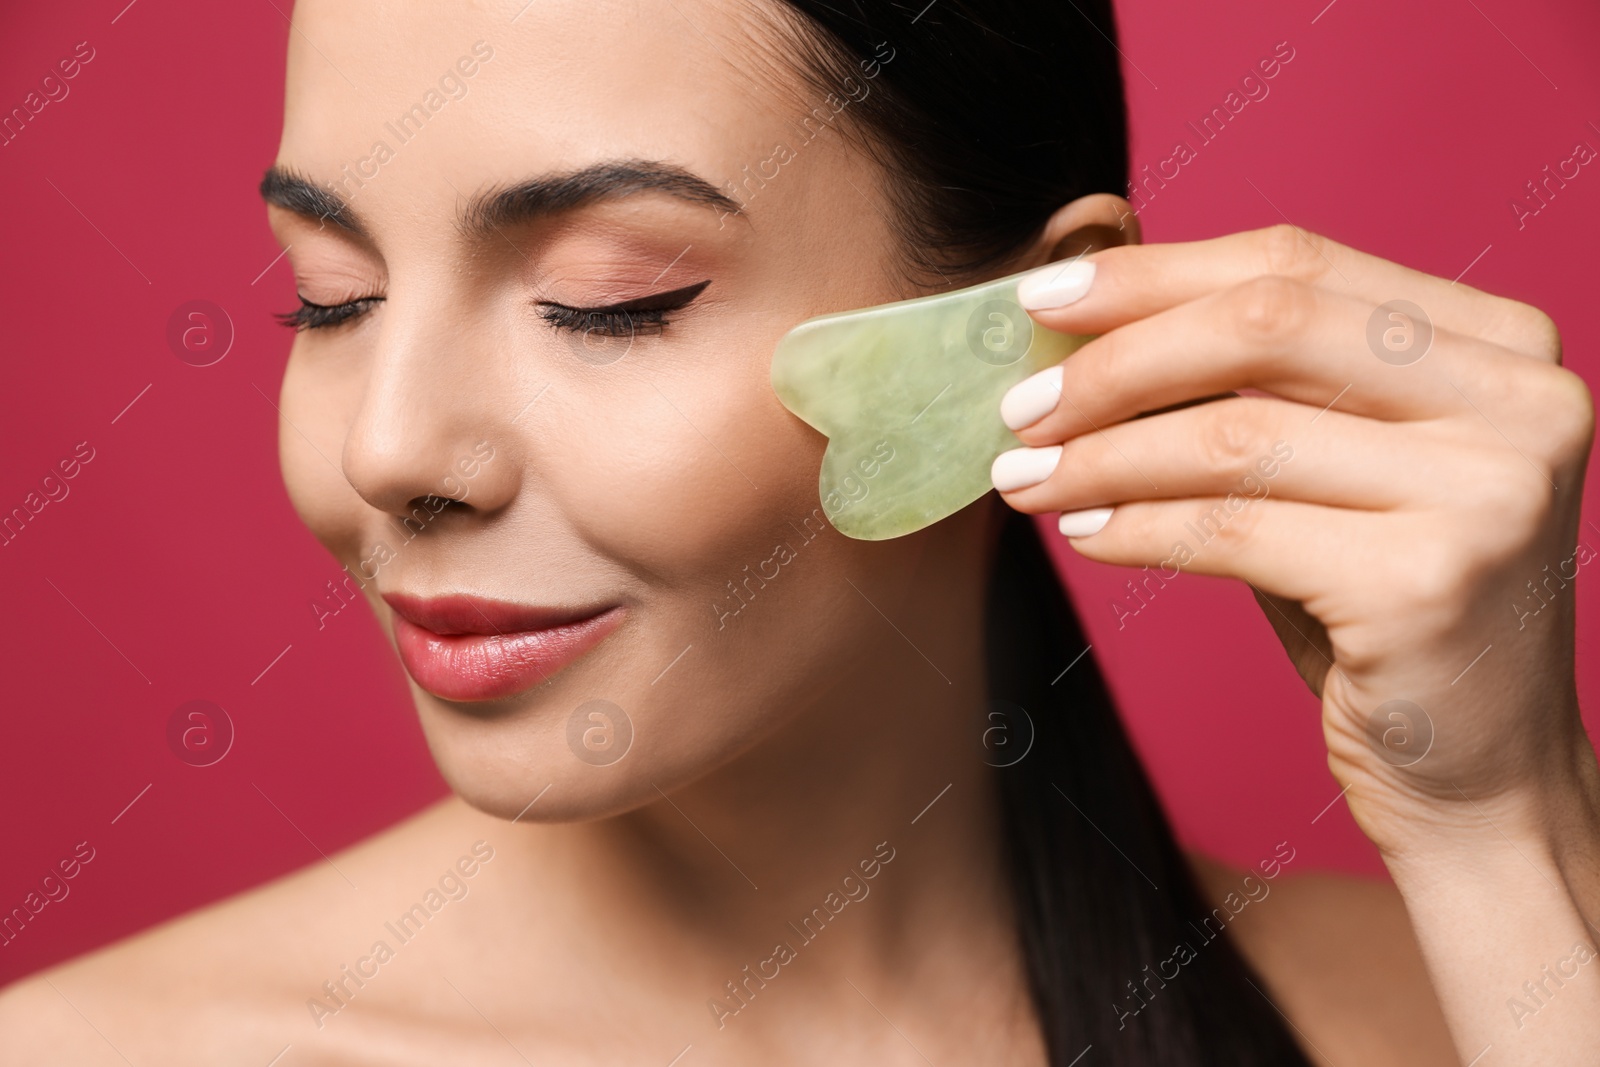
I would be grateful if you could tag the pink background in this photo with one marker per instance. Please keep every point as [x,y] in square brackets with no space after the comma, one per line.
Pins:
[175,569]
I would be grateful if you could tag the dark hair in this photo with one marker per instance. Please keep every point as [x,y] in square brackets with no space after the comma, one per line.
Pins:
[989,116]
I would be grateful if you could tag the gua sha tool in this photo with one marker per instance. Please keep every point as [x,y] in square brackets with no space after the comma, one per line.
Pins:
[908,395]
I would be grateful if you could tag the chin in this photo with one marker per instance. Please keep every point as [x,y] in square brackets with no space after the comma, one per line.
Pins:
[549,759]
[600,737]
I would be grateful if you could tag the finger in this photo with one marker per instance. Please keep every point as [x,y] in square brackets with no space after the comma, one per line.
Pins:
[1271,334]
[1130,282]
[1264,542]
[1253,447]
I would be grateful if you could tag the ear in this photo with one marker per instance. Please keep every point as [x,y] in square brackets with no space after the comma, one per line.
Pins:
[1089,223]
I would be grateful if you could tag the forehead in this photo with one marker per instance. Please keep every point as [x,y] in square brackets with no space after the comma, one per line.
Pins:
[486,92]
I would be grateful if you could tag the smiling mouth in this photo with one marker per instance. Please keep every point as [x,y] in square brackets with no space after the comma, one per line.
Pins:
[466,648]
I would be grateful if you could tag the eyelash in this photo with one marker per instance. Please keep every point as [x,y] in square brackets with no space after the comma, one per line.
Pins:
[309,316]
[643,315]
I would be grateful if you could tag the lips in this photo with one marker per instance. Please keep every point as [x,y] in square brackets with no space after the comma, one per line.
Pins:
[468,648]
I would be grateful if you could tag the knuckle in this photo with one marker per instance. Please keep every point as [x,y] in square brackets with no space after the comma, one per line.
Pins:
[1541,336]
[1098,369]
[1551,412]
[1292,252]
[1273,309]
[1568,417]
[1230,522]
[1231,436]
[1432,580]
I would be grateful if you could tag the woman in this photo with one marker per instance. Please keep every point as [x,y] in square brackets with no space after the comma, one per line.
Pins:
[722,787]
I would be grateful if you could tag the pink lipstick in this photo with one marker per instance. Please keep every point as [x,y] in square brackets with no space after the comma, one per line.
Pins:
[468,648]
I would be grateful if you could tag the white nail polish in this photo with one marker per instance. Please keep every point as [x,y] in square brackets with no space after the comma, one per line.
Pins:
[1056,285]
[1084,523]
[1022,467]
[1031,399]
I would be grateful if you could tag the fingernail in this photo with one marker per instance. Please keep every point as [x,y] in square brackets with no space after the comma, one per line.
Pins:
[1056,285]
[1031,399]
[1084,523]
[1022,467]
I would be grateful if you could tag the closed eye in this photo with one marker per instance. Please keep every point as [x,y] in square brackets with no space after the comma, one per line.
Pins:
[645,314]
[309,316]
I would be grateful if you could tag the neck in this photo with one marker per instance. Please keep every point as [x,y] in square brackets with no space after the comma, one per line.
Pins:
[870,814]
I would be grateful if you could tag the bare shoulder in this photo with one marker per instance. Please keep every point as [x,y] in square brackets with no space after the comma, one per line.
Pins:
[1339,958]
[236,980]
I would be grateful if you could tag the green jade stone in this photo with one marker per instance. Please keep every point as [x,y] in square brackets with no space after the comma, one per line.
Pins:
[908,395]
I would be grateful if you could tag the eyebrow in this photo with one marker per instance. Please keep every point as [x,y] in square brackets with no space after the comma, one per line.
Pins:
[545,195]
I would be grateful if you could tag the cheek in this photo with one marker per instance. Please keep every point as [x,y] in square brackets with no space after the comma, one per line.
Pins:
[684,474]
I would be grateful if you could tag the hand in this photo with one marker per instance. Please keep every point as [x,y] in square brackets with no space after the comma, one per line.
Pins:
[1400,489]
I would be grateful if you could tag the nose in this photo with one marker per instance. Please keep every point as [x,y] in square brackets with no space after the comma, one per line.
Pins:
[430,424]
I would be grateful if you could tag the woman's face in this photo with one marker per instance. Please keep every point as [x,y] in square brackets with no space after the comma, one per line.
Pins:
[642,475]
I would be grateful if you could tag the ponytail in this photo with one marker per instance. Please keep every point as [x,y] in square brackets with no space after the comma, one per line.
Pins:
[1122,952]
